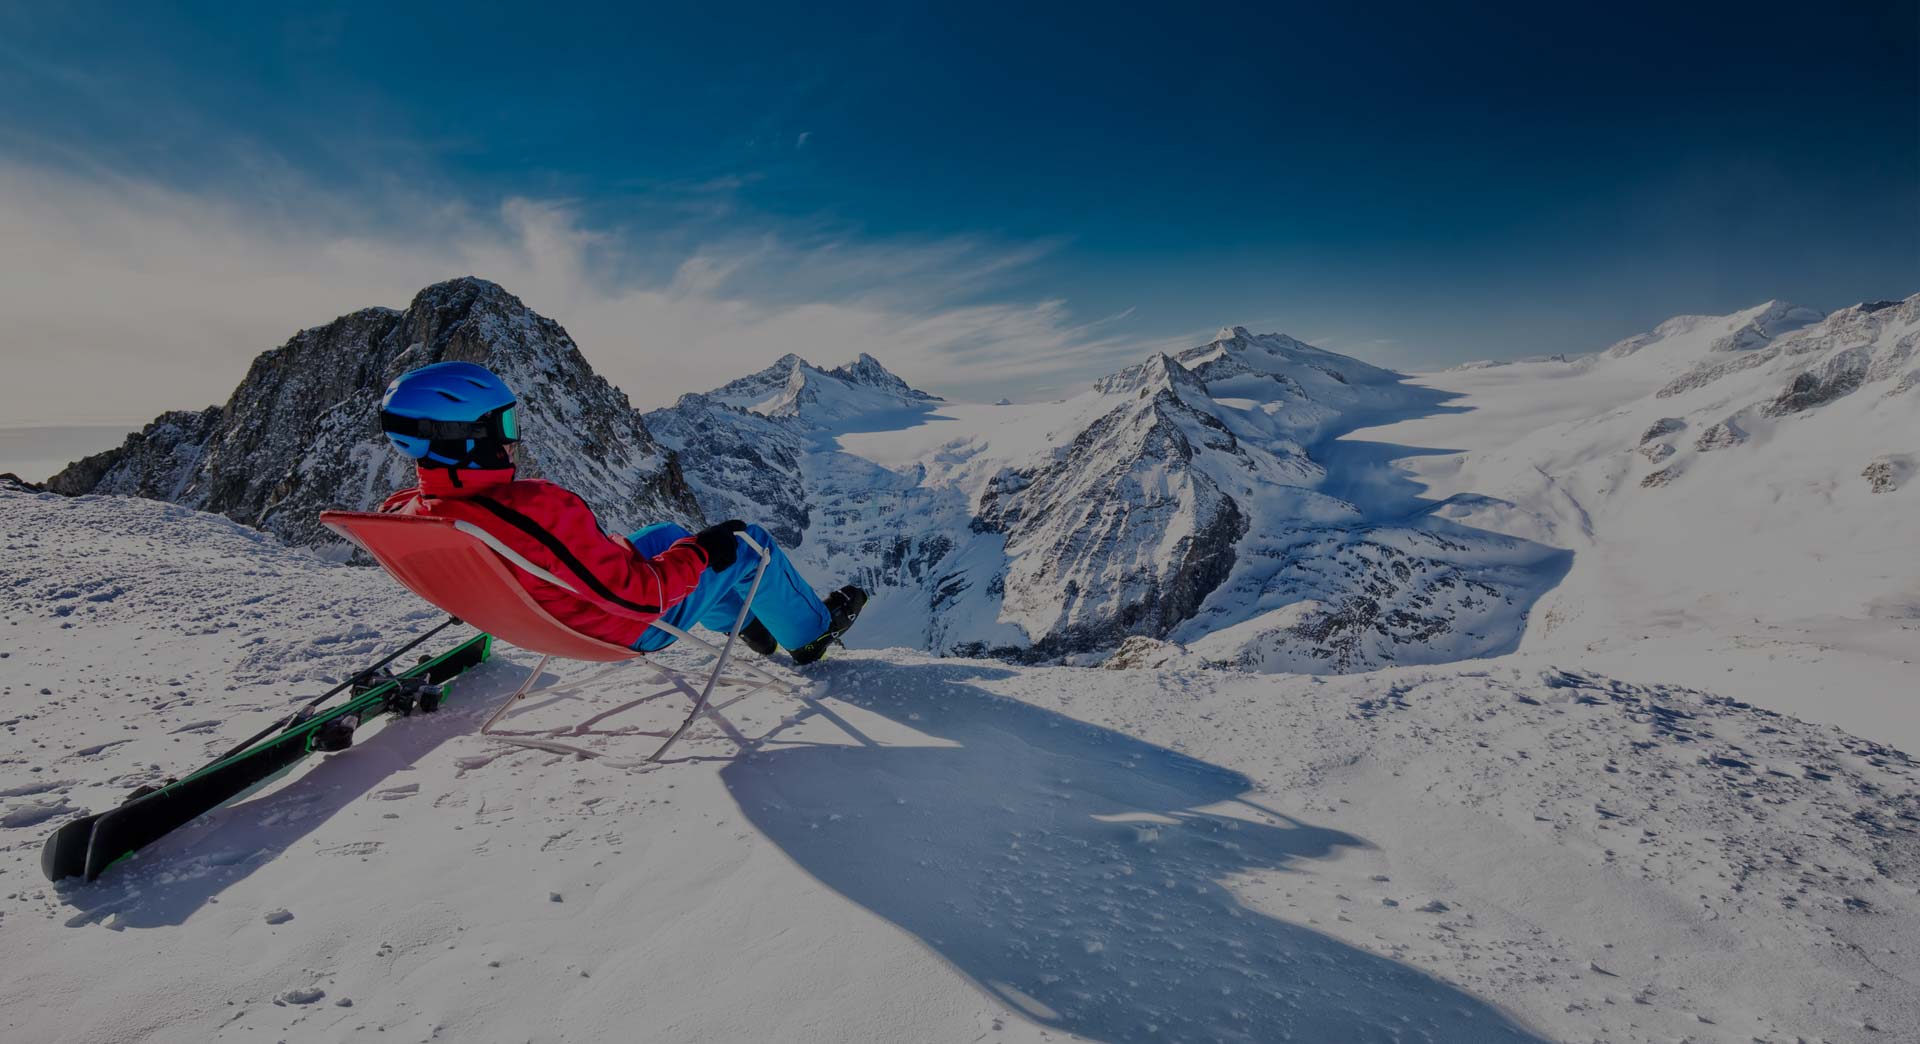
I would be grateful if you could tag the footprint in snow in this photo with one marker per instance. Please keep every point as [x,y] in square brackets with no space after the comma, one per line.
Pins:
[34,812]
[26,789]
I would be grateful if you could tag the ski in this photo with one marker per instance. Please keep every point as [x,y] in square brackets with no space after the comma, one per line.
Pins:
[87,846]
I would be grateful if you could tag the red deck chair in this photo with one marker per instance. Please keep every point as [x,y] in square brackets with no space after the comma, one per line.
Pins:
[467,571]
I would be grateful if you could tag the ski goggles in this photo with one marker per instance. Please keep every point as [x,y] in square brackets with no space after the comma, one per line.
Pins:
[502,425]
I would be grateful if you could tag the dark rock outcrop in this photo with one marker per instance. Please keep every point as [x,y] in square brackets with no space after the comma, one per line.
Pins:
[301,432]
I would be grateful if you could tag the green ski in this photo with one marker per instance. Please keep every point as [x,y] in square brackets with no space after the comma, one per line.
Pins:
[87,846]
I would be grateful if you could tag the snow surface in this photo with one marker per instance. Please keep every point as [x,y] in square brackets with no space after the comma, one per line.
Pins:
[932,850]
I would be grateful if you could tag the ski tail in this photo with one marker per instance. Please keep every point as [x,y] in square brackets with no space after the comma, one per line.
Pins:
[65,853]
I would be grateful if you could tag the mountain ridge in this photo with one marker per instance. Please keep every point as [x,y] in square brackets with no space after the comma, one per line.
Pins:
[1204,499]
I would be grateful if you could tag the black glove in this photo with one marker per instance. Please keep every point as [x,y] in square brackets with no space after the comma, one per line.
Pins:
[720,544]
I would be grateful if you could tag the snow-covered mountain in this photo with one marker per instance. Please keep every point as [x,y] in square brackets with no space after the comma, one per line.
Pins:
[1180,497]
[1737,493]
[1211,505]
[301,432]
[794,389]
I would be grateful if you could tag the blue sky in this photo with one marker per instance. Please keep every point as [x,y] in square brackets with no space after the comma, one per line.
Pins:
[1011,199]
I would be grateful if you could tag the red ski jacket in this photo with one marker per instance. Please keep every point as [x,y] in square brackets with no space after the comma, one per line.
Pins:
[620,590]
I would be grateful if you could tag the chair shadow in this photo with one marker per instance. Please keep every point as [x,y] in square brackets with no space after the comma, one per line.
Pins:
[166,882]
[1075,874]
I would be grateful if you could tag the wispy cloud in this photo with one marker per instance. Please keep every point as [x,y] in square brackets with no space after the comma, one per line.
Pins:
[124,297]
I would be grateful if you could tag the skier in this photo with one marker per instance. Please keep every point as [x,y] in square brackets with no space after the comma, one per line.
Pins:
[457,421]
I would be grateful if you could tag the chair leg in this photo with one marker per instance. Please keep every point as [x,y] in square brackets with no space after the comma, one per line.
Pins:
[720,665]
[518,741]
[526,686]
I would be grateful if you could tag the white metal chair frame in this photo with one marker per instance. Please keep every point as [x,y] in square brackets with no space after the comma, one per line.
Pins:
[677,682]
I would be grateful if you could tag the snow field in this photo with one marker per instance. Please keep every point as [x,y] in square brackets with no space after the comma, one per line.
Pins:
[936,849]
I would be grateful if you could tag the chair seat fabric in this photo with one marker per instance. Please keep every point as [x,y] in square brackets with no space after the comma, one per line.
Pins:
[463,576]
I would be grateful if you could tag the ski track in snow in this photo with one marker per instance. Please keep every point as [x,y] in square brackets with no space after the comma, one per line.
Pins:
[936,849]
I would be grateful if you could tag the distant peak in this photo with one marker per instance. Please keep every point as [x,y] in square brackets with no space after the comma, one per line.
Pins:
[465,289]
[1159,371]
[1233,333]
[868,371]
[1759,325]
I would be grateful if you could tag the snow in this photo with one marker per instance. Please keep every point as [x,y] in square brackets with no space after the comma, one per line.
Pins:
[1770,565]
[932,849]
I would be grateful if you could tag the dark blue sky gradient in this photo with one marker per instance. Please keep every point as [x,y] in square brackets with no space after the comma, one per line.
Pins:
[1439,181]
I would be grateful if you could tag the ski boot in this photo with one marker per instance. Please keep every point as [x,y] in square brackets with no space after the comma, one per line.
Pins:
[844,606]
[757,637]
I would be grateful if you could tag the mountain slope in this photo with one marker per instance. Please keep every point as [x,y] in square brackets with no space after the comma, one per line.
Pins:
[301,432]
[1738,508]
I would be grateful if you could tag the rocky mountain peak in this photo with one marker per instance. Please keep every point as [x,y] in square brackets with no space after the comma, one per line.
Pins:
[300,434]
[795,389]
[867,370]
[1160,372]
[760,385]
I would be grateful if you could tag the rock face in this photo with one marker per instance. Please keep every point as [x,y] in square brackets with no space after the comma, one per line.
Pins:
[1662,427]
[1720,436]
[301,432]
[1888,473]
[1125,532]
[1777,372]
[739,463]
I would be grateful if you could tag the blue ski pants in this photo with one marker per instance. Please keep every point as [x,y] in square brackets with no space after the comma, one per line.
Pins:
[785,604]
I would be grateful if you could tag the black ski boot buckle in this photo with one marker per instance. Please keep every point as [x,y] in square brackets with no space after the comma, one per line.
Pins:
[368,681]
[336,734]
[415,694]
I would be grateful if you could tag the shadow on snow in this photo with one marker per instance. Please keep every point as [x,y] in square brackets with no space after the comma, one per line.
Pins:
[1079,875]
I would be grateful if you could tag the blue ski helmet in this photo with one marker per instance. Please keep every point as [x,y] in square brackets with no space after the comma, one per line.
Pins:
[451,415]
